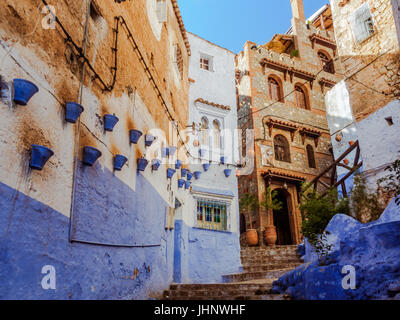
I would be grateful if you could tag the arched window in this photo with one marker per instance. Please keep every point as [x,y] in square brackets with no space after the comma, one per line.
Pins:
[274,89]
[204,131]
[217,134]
[311,157]
[327,62]
[282,150]
[301,97]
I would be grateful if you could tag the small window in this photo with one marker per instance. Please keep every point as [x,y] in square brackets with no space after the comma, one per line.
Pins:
[311,157]
[282,149]
[212,215]
[217,134]
[327,62]
[301,98]
[362,23]
[274,89]
[204,131]
[205,64]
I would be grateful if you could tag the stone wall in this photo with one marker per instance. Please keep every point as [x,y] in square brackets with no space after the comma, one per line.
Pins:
[362,106]
[120,246]
[372,66]
[255,64]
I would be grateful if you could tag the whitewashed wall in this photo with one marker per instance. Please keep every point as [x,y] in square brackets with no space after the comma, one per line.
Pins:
[218,86]
[340,121]
[379,141]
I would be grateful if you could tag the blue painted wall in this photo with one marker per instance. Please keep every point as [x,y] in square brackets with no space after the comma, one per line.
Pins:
[203,256]
[33,235]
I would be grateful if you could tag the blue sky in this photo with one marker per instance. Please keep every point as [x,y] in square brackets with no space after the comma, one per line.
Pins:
[230,23]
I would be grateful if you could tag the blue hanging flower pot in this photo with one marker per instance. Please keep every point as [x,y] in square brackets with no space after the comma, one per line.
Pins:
[155,164]
[39,156]
[90,155]
[184,172]
[206,166]
[134,136]
[119,162]
[72,111]
[110,121]
[202,152]
[223,160]
[178,164]
[181,183]
[227,172]
[164,152]
[142,164]
[170,173]
[149,139]
[172,150]
[187,184]
[23,91]
[197,175]
[189,176]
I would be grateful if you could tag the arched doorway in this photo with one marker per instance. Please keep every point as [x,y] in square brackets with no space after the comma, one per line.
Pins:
[242,223]
[281,219]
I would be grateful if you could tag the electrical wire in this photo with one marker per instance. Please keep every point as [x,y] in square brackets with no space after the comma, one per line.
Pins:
[346,78]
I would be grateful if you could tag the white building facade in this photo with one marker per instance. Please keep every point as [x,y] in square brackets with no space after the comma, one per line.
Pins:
[207,227]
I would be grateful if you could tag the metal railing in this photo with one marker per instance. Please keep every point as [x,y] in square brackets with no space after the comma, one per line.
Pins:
[212,215]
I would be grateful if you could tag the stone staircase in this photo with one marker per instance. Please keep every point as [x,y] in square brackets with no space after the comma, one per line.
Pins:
[261,266]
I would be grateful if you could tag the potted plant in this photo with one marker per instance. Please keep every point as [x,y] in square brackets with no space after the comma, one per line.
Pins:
[149,139]
[134,136]
[227,172]
[39,156]
[72,111]
[270,203]
[90,155]
[197,175]
[248,203]
[142,163]
[119,162]
[23,91]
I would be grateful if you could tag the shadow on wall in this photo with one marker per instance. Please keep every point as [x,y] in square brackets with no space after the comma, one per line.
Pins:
[107,211]
[5,91]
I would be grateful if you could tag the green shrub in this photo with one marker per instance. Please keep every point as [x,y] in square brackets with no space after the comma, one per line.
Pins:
[392,181]
[270,202]
[317,211]
[248,203]
[364,204]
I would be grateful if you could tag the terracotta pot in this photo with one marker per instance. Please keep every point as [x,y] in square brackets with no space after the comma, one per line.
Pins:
[270,235]
[252,237]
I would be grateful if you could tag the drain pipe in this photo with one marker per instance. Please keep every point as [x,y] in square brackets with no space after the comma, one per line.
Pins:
[77,134]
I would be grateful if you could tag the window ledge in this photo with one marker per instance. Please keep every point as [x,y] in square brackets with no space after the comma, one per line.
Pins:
[360,44]
[211,230]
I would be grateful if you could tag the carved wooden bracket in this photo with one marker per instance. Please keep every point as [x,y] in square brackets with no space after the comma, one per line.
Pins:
[316,38]
[312,133]
[284,125]
[323,82]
